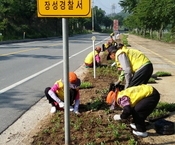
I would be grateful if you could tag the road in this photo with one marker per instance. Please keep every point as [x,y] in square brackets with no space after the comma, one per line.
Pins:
[28,68]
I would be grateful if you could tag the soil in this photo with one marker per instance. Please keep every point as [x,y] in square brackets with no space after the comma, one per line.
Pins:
[96,126]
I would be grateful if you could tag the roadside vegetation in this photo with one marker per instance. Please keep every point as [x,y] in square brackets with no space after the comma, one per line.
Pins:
[154,19]
[96,126]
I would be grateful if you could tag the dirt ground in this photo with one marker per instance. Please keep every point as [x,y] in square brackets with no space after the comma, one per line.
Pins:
[26,132]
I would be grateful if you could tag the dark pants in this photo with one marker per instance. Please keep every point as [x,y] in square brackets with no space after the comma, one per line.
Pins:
[142,76]
[73,94]
[143,109]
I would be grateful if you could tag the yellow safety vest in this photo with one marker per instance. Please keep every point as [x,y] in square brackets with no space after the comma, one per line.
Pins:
[136,93]
[136,58]
[60,92]
[89,57]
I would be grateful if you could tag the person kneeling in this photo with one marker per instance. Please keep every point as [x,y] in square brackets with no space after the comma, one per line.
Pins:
[55,94]
[137,101]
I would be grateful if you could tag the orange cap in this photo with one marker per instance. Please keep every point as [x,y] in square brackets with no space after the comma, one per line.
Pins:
[72,77]
[111,97]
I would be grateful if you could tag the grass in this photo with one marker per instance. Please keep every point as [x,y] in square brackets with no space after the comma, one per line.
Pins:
[86,85]
[162,74]
[162,110]
[95,126]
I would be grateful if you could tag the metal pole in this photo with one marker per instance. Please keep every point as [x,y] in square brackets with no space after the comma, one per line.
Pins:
[66,80]
[94,58]
[94,64]
[92,16]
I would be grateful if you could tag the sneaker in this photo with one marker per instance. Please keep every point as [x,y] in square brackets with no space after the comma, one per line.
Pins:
[77,113]
[61,104]
[53,109]
[133,126]
[141,134]
[71,108]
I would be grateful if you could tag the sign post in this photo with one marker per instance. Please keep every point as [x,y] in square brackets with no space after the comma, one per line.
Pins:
[94,65]
[115,27]
[65,9]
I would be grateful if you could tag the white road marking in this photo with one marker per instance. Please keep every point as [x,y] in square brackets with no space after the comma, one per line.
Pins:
[42,71]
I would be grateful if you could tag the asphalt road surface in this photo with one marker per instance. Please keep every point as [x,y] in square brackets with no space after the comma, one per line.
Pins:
[27,68]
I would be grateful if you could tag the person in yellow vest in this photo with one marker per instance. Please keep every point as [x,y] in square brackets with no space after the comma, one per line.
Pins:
[136,66]
[138,102]
[55,94]
[110,42]
[89,58]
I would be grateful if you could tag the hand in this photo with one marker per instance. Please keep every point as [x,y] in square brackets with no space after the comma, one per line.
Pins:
[61,104]
[113,64]
[117,117]
[117,83]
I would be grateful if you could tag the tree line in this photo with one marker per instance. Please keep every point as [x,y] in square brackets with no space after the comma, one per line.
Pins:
[18,19]
[147,16]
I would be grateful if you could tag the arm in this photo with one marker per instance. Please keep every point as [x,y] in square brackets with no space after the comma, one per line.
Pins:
[53,96]
[125,103]
[77,102]
[97,58]
[124,61]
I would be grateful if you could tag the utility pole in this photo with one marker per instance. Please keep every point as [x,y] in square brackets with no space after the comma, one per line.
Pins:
[92,15]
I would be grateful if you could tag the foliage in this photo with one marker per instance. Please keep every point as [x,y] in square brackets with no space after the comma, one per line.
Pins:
[149,16]
[85,85]
[161,74]
[162,109]
[18,17]
[166,106]
[151,80]
[157,114]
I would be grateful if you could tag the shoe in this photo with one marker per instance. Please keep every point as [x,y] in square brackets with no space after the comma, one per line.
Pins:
[141,134]
[71,108]
[133,126]
[61,104]
[53,109]
[77,113]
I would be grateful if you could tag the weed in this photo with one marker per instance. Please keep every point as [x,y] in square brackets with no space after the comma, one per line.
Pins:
[86,85]
[161,74]
[158,113]
[151,80]
[121,126]
[97,134]
[77,124]
[166,106]
[132,141]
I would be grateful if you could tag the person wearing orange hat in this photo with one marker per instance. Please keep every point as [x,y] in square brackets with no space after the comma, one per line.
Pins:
[137,101]
[55,94]
[89,58]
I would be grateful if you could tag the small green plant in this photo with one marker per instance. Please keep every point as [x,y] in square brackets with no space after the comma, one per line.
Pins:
[158,114]
[96,104]
[77,124]
[97,134]
[86,85]
[151,80]
[166,106]
[132,141]
[161,74]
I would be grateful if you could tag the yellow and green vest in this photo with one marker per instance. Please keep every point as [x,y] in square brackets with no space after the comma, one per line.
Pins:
[136,93]
[89,57]
[136,58]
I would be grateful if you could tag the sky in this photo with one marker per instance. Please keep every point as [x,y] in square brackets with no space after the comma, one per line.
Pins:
[106,5]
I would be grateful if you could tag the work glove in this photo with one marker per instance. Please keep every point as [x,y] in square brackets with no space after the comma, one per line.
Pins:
[61,104]
[113,64]
[117,83]
[117,117]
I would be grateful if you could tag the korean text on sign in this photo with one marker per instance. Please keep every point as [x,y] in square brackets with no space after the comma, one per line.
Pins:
[64,7]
